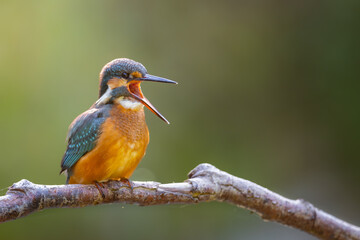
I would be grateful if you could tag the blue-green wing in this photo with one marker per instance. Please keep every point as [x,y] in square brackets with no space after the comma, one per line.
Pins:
[82,136]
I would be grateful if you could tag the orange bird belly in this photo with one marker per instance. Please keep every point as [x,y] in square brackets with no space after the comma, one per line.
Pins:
[118,151]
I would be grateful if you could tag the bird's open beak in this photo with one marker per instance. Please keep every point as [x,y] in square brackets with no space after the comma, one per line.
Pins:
[135,91]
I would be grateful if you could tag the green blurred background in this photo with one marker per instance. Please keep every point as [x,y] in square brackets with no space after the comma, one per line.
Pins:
[268,91]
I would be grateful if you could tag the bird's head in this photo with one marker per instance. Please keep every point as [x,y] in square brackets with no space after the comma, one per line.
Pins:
[120,82]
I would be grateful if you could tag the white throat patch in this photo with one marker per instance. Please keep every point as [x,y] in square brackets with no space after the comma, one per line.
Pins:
[130,103]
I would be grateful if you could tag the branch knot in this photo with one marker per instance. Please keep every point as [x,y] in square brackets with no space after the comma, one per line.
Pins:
[23,186]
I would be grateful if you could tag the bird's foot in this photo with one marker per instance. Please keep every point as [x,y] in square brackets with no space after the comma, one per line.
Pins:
[100,187]
[127,182]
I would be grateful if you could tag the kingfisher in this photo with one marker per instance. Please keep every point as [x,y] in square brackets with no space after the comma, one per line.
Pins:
[107,141]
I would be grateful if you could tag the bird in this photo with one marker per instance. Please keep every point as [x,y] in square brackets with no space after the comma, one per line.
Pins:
[108,141]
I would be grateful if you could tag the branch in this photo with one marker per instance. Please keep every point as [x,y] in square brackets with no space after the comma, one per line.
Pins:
[206,183]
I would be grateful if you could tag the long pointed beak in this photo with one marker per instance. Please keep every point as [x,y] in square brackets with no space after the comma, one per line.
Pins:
[152,78]
[135,91]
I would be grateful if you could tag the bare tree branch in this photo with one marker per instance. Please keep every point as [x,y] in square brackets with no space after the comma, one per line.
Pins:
[206,183]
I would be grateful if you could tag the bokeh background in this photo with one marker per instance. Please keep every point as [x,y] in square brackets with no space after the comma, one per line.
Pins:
[268,91]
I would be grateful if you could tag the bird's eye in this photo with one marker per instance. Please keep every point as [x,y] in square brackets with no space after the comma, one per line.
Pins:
[125,75]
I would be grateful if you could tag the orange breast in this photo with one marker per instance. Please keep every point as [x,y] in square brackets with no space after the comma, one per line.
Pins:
[118,151]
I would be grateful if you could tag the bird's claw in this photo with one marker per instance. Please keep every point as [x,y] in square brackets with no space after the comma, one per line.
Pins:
[128,183]
[100,187]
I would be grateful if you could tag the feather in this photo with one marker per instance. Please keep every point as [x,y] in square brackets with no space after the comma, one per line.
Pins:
[83,133]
